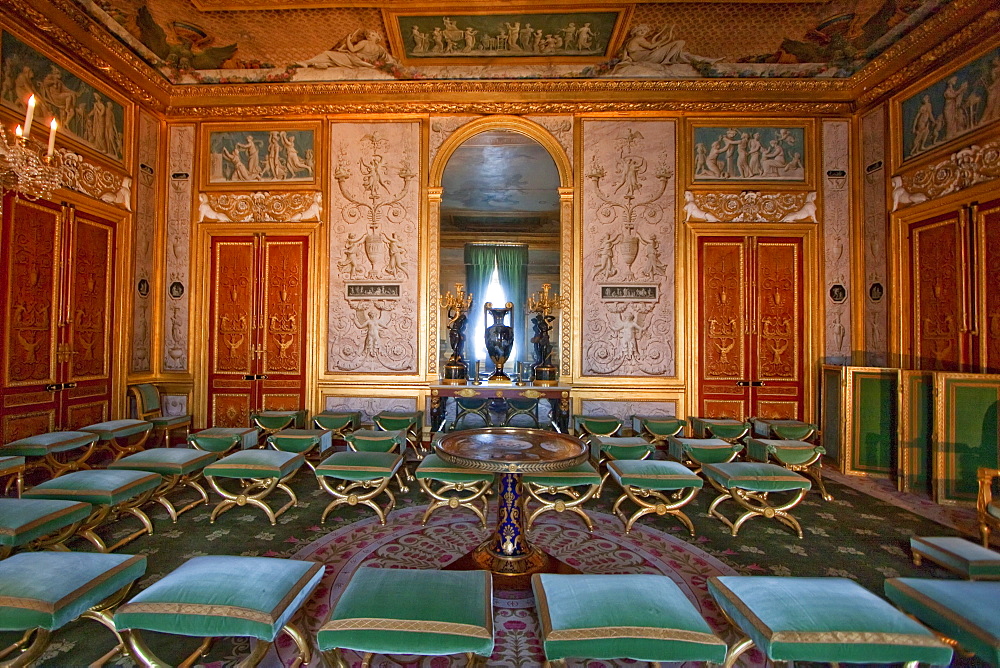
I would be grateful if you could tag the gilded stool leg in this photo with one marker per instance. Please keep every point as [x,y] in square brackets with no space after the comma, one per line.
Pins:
[345,494]
[252,660]
[653,501]
[304,655]
[335,659]
[572,502]
[29,654]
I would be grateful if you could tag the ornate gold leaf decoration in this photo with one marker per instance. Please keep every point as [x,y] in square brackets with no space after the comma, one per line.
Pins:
[749,206]
[958,171]
[259,207]
[93,180]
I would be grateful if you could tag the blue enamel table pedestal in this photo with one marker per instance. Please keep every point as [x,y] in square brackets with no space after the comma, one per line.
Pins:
[510,452]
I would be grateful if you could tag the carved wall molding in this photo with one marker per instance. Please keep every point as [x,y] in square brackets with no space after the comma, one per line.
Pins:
[145,237]
[837,240]
[259,207]
[874,232]
[960,170]
[370,406]
[180,168]
[93,180]
[441,128]
[624,410]
[749,206]
[561,127]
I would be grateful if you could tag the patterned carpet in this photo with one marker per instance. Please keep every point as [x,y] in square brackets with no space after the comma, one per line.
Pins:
[857,535]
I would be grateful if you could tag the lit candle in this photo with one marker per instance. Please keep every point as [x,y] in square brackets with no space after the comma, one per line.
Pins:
[28,116]
[52,136]
[18,131]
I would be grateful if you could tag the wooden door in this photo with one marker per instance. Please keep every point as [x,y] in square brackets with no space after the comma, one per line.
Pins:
[257,321]
[987,225]
[751,334]
[57,278]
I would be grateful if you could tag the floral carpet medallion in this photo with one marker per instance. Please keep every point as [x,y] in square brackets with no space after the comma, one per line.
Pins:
[404,543]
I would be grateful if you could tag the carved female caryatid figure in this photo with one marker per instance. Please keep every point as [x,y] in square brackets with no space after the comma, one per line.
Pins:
[499,340]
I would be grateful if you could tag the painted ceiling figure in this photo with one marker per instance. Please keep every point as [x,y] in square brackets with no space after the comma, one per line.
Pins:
[188,52]
[365,52]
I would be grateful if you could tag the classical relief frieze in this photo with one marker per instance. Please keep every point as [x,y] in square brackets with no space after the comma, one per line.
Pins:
[874,232]
[259,207]
[624,410]
[960,170]
[180,159]
[145,234]
[749,206]
[373,276]
[837,240]
[370,406]
[628,249]
[93,180]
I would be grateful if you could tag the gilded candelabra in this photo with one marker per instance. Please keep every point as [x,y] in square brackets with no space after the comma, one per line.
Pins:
[542,304]
[23,166]
[457,306]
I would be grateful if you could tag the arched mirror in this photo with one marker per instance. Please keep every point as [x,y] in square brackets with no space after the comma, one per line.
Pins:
[500,235]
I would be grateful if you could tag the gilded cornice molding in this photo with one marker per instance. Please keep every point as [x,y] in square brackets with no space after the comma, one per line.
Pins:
[749,206]
[259,207]
[93,180]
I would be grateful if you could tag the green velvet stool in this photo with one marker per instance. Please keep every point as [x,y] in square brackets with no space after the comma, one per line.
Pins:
[792,430]
[794,455]
[451,486]
[383,440]
[393,611]
[273,421]
[338,423]
[147,407]
[411,422]
[657,429]
[964,612]
[54,453]
[750,485]
[656,487]
[559,491]
[638,617]
[604,449]
[39,524]
[258,472]
[179,468]
[42,592]
[121,437]
[363,477]
[970,560]
[12,466]
[696,452]
[223,440]
[310,443]
[112,493]
[588,426]
[222,596]
[830,620]
[724,428]
[522,408]
[472,413]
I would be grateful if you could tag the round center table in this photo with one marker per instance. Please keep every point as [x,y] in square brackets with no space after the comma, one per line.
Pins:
[511,452]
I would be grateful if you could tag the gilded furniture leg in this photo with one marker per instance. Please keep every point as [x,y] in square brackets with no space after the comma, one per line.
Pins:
[345,495]
[756,504]
[653,501]
[572,502]
[254,491]
[477,491]
[334,658]
[30,652]
[106,514]
[984,500]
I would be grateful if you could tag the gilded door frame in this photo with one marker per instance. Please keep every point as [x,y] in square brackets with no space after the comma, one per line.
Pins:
[315,298]
[813,311]
[432,263]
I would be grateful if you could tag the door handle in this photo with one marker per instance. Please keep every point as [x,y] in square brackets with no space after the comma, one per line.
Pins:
[249,376]
[757,383]
[54,387]
[68,386]
[743,383]
[262,376]
[255,376]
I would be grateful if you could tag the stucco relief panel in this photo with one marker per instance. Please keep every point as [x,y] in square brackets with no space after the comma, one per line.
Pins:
[374,213]
[145,230]
[370,406]
[178,246]
[876,313]
[441,128]
[628,248]
[560,127]
[836,240]
[624,410]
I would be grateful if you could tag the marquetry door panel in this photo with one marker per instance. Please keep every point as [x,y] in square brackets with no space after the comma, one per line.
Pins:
[57,279]
[987,221]
[258,318]
[751,334]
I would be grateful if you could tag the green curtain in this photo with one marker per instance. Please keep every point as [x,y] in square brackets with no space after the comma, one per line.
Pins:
[511,261]
[479,262]
[512,266]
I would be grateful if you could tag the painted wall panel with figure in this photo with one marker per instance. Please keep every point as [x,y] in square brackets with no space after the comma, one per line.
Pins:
[767,153]
[285,156]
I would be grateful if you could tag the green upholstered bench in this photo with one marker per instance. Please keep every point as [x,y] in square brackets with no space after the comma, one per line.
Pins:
[260,472]
[657,429]
[821,619]
[459,487]
[586,426]
[638,617]
[222,440]
[272,421]
[403,611]
[604,449]
[794,430]
[646,483]
[750,485]
[964,612]
[411,422]
[148,407]
[179,468]
[340,423]
[38,524]
[121,437]
[383,440]
[112,493]
[309,442]
[695,452]
[725,428]
[221,596]
[44,591]
[364,476]
[13,466]
[794,455]
[49,452]
[970,560]
[558,491]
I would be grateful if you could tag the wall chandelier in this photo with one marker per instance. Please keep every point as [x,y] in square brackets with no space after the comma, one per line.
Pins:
[23,167]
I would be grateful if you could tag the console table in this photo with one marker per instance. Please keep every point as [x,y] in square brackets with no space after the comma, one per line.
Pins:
[557,396]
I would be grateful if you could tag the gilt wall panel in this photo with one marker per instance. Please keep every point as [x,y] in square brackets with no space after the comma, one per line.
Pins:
[374,222]
[628,248]
[145,231]
[874,231]
[837,240]
[178,260]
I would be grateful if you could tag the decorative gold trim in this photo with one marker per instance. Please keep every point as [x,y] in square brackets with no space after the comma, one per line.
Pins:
[962,169]
[749,206]
[259,207]
[635,632]
[408,625]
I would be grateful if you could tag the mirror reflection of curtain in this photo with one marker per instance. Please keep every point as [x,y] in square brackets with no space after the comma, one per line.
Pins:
[510,261]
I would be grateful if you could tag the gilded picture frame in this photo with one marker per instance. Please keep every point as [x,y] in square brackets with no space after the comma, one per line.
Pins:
[951,111]
[464,37]
[737,153]
[255,156]
[90,119]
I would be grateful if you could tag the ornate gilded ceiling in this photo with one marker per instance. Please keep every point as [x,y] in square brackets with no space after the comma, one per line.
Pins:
[223,41]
